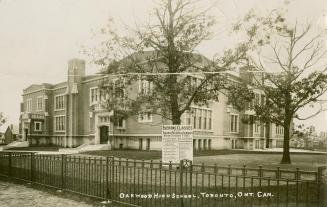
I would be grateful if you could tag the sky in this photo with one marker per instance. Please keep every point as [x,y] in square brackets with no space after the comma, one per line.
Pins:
[38,37]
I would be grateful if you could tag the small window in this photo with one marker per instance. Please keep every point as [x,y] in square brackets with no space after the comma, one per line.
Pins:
[121,123]
[37,126]
[145,117]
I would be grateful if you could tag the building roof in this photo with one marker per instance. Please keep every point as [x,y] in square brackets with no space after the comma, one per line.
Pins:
[5,127]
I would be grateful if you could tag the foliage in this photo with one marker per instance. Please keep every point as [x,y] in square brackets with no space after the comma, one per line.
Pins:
[166,46]
[2,119]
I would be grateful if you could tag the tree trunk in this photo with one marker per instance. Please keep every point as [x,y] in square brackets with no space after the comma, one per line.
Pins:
[286,147]
[267,134]
[175,113]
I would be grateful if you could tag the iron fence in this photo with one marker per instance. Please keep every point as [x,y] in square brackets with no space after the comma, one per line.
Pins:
[148,183]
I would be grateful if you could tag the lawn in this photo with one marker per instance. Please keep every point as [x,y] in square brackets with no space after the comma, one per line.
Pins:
[37,148]
[304,161]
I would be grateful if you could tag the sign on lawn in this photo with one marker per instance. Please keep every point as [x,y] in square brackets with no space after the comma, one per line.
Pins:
[177,143]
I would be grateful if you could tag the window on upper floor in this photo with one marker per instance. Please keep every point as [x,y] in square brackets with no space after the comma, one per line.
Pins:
[194,81]
[199,115]
[119,88]
[257,99]
[60,123]
[29,105]
[145,86]
[234,123]
[256,127]
[209,119]
[145,117]
[59,102]
[188,118]
[199,118]
[121,123]
[94,95]
[39,103]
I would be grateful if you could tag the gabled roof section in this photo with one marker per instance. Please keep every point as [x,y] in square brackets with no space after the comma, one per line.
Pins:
[35,87]
[12,127]
[143,57]
[59,85]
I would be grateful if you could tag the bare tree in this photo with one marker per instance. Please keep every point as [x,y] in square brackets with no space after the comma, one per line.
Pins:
[293,74]
[163,54]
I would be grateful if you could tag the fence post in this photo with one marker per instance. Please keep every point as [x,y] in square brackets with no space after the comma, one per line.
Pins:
[181,167]
[322,186]
[9,163]
[113,188]
[107,176]
[32,167]
[63,162]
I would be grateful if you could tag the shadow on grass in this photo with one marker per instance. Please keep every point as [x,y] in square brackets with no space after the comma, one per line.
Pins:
[154,155]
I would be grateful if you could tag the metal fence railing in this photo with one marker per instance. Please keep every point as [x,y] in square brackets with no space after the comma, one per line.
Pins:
[153,183]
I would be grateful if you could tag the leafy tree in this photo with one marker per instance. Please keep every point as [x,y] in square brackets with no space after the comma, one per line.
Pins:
[292,75]
[2,119]
[162,53]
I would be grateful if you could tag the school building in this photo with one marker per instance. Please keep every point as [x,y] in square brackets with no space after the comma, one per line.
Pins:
[68,114]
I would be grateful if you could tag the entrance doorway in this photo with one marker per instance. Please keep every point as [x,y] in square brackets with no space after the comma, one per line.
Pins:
[104,134]
[26,134]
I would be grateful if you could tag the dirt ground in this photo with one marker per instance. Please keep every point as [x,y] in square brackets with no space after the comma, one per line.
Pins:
[19,195]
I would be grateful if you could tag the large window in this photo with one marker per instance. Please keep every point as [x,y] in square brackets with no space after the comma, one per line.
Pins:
[209,120]
[29,105]
[119,88]
[199,111]
[279,130]
[188,118]
[59,123]
[39,103]
[257,99]
[94,95]
[256,127]
[145,117]
[234,123]
[145,87]
[59,102]
[199,118]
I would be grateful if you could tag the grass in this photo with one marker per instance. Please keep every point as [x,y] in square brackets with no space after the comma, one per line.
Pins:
[36,148]
[160,182]
[88,176]
[130,154]
[304,161]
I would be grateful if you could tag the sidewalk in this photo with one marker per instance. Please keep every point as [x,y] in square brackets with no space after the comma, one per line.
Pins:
[20,195]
